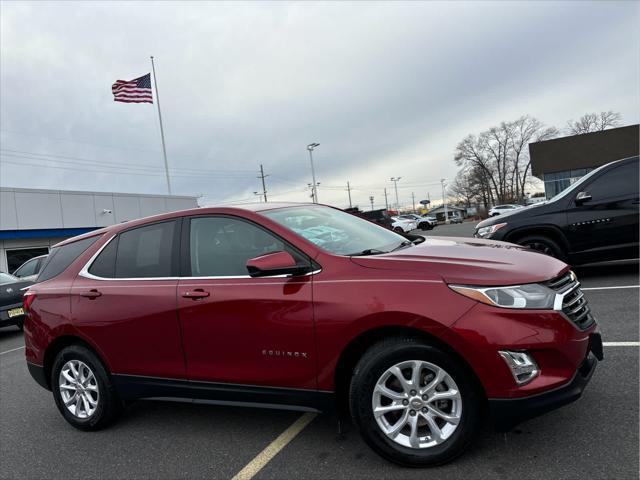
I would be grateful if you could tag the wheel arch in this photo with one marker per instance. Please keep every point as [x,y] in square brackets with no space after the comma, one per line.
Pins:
[58,345]
[548,230]
[358,345]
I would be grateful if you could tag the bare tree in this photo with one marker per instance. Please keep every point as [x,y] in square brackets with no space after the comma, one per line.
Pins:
[525,130]
[467,187]
[594,122]
[498,158]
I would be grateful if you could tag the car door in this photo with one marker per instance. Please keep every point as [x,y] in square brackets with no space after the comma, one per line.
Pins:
[604,226]
[125,302]
[238,329]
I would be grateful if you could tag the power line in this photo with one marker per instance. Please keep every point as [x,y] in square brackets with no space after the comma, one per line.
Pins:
[116,164]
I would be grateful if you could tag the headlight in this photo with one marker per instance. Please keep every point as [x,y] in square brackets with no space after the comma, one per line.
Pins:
[530,296]
[485,232]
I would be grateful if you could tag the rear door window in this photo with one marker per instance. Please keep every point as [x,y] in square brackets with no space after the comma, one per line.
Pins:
[61,257]
[29,268]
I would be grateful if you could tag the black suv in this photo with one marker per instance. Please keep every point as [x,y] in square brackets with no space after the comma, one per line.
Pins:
[594,220]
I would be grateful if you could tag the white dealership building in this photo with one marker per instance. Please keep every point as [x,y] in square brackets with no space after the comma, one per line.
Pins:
[31,221]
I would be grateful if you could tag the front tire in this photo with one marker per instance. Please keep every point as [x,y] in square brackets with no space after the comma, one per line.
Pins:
[414,404]
[543,244]
[82,389]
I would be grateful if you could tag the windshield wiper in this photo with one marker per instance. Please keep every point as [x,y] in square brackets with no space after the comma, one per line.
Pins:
[406,243]
[368,251]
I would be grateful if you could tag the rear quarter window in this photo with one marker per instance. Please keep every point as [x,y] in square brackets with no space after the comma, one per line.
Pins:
[61,257]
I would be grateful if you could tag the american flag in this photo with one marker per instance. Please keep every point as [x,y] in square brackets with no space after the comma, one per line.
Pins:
[133,91]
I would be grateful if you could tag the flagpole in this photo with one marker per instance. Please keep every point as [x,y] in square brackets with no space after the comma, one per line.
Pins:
[164,149]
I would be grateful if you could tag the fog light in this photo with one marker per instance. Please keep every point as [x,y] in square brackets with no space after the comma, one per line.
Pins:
[522,365]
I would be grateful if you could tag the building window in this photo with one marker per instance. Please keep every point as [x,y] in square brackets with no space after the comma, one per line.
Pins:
[556,182]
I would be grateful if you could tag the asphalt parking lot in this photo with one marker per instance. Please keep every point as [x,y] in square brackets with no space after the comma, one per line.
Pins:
[597,437]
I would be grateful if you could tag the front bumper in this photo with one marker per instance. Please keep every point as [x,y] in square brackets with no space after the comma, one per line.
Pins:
[507,413]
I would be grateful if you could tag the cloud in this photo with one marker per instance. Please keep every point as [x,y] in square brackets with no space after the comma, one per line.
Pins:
[387,89]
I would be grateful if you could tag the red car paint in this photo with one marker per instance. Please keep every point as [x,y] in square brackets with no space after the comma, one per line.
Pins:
[291,332]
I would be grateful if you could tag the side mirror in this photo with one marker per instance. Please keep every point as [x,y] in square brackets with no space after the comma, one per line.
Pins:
[275,263]
[582,197]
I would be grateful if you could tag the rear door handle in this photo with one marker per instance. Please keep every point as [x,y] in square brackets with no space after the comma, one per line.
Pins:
[91,294]
[195,294]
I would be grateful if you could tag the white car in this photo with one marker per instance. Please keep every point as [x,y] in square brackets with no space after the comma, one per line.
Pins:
[433,221]
[499,209]
[403,225]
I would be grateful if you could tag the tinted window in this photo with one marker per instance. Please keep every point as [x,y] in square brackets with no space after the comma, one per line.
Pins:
[620,181]
[221,246]
[105,263]
[61,257]
[29,268]
[144,252]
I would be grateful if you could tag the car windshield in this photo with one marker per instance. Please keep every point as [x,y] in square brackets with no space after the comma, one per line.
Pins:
[336,231]
[6,278]
[576,185]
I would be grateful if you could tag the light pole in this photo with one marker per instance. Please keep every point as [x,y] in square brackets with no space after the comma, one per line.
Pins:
[314,190]
[259,195]
[444,200]
[371,200]
[395,181]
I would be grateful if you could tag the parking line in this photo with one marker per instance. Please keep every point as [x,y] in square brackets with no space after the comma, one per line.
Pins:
[621,344]
[12,350]
[610,288]
[266,455]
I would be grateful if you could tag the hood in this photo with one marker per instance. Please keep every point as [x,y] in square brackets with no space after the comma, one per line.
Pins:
[469,261]
[518,213]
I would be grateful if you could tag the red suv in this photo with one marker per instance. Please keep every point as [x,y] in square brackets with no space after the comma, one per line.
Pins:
[306,305]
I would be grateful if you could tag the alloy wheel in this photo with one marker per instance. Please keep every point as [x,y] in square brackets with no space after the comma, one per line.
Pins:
[78,389]
[541,247]
[417,404]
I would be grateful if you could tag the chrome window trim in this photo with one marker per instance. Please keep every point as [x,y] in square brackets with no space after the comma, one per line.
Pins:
[84,272]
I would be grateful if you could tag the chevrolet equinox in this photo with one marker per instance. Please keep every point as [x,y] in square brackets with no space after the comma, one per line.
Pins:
[308,306]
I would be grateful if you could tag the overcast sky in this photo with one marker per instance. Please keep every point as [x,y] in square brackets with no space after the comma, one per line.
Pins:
[387,89]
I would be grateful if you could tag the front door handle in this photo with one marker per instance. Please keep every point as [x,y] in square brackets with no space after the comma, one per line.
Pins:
[91,294]
[195,294]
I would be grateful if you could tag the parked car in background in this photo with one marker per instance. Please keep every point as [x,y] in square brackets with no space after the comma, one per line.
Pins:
[422,223]
[594,220]
[433,221]
[420,342]
[380,217]
[29,270]
[11,310]
[455,218]
[500,209]
[403,225]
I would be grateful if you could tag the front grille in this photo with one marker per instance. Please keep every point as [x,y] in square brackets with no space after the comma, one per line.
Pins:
[574,303]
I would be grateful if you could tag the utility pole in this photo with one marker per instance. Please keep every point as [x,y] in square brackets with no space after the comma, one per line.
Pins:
[395,181]
[413,199]
[349,190]
[444,200]
[386,201]
[371,200]
[264,187]
[314,190]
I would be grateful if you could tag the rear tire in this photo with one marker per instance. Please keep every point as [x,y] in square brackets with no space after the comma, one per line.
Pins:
[398,230]
[20,324]
[436,441]
[543,244]
[91,399]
